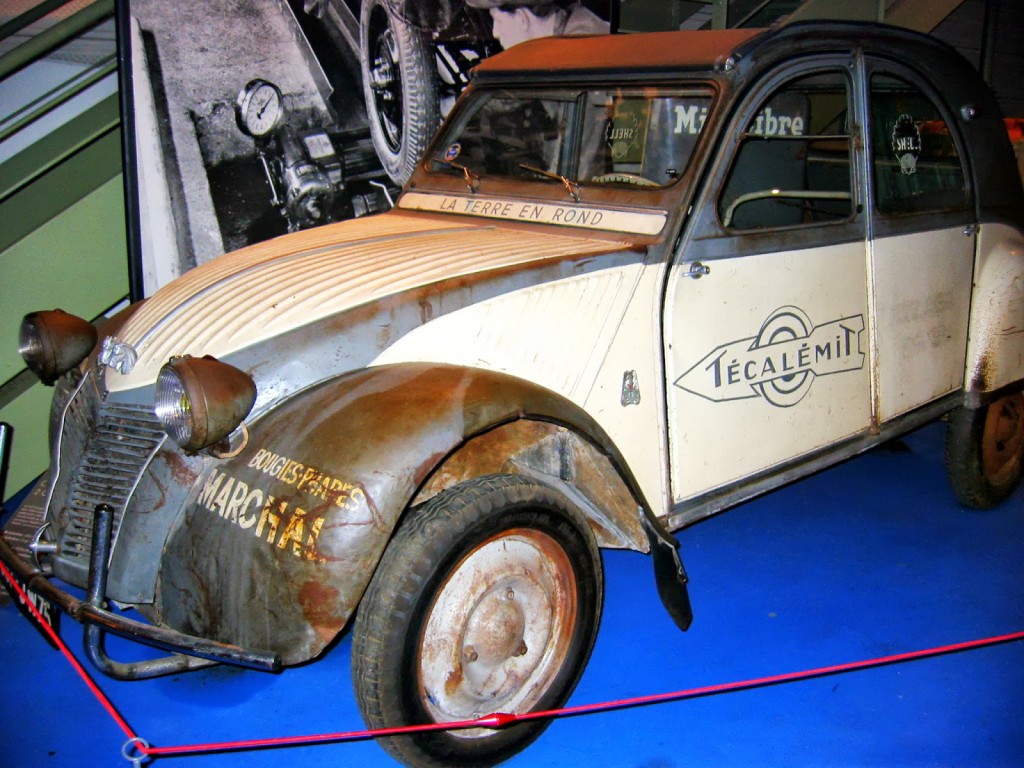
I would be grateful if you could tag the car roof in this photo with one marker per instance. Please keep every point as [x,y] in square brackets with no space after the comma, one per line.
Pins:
[641,52]
[700,50]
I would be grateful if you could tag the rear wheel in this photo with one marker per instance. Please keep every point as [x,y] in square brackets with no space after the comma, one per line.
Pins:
[985,451]
[487,600]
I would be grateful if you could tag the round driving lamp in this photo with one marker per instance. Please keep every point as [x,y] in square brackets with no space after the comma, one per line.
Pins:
[52,342]
[200,400]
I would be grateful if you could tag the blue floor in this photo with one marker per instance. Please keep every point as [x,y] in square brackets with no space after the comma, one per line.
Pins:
[865,560]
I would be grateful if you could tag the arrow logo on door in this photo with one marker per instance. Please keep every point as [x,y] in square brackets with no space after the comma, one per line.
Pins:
[780,362]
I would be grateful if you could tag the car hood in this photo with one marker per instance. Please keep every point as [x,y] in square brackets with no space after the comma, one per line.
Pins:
[265,290]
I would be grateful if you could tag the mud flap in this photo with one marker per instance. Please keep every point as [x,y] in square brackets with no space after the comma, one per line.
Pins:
[668,571]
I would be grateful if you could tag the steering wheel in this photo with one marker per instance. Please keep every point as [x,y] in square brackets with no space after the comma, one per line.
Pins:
[624,178]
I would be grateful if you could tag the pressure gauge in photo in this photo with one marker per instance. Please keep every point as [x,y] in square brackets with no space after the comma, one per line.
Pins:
[258,108]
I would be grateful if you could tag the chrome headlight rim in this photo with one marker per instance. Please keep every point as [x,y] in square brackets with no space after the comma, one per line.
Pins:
[173,405]
[200,401]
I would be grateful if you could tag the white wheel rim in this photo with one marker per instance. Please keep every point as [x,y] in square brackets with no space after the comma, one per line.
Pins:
[498,630]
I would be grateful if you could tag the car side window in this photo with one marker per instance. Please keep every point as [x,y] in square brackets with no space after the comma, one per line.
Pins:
[793,165]
[916,164]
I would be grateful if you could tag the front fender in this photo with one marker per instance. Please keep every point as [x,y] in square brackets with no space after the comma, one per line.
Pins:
[277,544]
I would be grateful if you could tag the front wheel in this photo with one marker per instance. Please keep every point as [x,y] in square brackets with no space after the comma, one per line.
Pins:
[985,451]
[486,600]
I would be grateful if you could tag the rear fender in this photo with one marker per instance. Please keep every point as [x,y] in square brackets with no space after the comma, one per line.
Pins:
[995,350]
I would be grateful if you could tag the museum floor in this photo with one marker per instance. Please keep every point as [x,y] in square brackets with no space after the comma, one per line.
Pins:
[869,559]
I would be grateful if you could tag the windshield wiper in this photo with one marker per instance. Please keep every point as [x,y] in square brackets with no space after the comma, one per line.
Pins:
[471,177]
[571,187]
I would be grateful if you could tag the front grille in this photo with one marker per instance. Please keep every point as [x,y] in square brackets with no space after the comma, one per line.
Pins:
[105,447]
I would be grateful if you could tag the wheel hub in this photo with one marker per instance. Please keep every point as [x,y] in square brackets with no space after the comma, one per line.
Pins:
[1003,439]
[494,632]
[386,84]
[499,629]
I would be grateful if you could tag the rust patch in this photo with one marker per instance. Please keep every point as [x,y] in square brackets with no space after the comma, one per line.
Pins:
[378,520]
[180,469]
[161,489]
[554,451]
[489,453]
[426,311]
[981,380]
[317,601]
[454,681]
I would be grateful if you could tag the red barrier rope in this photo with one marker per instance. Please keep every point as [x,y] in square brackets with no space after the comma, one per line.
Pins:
[50,633]
[497,719]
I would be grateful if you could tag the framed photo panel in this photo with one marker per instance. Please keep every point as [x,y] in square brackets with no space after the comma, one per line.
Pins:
[248,120]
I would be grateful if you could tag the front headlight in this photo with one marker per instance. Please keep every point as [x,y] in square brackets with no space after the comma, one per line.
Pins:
[200,400]
[53,342]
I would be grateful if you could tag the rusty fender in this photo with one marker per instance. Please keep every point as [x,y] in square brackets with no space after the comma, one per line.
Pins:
[276,545]
[995,353]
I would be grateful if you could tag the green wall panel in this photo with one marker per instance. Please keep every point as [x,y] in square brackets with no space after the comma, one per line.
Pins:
[28,414]
[76,261]
[60,187]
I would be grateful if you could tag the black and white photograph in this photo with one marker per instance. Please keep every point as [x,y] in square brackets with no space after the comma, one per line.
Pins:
[260,118]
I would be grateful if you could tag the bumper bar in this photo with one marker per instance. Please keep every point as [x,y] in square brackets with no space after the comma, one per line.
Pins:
[188,651]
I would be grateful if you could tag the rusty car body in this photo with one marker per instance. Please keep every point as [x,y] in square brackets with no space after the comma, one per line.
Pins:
[634,281]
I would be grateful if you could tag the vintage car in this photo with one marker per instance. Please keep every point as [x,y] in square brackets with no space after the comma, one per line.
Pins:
[634,281]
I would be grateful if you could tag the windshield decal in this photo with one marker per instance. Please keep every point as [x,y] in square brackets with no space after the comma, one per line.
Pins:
[452,152]
[626,131]
[540,213]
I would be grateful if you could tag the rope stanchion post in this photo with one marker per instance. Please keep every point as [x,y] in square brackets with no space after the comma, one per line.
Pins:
[129,754]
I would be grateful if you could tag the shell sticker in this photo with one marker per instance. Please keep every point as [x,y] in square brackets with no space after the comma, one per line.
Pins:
[906,143]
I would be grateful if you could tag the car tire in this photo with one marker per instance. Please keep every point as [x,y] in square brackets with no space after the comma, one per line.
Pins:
[400,87]
[985,451]
[494,581]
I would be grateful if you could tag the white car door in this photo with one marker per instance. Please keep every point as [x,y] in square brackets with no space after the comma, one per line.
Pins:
[922,246]
[767,312]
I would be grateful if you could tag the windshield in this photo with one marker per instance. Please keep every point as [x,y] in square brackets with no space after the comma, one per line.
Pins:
[603,136]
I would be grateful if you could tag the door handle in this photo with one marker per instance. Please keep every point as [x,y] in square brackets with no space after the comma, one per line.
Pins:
[697,270]
[971,229]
